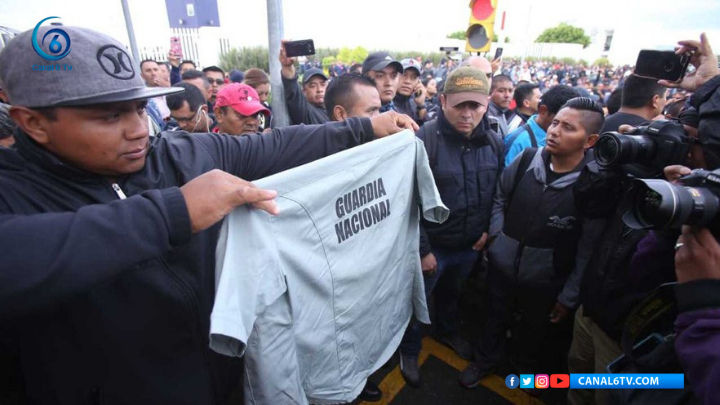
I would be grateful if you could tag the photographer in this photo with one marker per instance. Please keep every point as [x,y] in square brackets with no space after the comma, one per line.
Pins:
[628,263]
[697,261]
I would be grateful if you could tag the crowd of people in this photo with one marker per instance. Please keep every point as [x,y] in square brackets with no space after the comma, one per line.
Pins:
[112,191]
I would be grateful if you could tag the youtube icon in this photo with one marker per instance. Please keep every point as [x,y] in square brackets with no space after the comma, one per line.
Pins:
[559,381]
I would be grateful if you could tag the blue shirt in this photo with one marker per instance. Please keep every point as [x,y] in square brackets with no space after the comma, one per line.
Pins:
[519,140]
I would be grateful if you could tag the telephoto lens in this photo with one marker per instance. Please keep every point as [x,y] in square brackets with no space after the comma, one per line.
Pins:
[658,204]
[645,151]
[614,149]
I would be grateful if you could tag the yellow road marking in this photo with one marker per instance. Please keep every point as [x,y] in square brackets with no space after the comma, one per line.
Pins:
[394,382]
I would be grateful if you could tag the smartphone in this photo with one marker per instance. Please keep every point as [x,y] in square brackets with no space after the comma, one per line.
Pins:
[665,65]
[299,48]
[175,47]
[498,53]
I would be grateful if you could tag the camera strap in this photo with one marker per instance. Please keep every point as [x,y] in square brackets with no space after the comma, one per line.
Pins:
[651,313]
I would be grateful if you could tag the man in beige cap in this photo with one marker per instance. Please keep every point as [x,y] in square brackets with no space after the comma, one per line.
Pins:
[466,159]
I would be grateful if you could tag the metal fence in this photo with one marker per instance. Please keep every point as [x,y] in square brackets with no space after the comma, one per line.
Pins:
[189,40]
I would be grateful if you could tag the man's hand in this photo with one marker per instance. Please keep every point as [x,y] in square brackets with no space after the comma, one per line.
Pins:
[496,65]
[391,122]
[160,82]
[704,61]
[174,59]
[420,100]
[428,264]
[558,313]
[674,172]
[212,195]
[288,64]
[480,244]
[698,258]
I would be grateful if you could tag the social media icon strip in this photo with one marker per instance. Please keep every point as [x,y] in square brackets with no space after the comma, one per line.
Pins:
[560,381]
[527,380]
[512,381]
[542,381]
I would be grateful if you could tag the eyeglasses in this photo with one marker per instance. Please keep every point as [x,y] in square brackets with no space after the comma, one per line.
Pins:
[183,119]
[219,82]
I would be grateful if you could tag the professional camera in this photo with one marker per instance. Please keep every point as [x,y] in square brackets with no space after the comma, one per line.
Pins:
[658,204]
[646,150]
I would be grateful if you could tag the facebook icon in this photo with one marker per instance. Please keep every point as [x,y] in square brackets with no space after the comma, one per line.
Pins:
[512,381]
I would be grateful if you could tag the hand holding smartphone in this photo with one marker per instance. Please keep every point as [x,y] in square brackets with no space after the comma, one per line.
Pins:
[498,53]
[302,47]
[176,47]
[662,65]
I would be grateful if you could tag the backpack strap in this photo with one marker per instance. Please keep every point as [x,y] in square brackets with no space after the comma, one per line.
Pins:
[431,141]
[525,159]
[530,132]
[510,139]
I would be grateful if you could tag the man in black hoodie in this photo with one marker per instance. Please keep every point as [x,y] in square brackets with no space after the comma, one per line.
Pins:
[108,273]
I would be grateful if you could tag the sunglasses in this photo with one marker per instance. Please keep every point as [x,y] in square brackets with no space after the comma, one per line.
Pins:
[219,82]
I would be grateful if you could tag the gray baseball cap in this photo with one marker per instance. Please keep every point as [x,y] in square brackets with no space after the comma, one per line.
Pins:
[71,66]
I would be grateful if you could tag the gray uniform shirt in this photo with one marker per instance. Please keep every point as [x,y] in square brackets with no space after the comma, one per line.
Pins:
[318,297]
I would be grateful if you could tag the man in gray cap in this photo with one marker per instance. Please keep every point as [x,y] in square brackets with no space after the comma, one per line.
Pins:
[386,71]
[109,235]
[306,106]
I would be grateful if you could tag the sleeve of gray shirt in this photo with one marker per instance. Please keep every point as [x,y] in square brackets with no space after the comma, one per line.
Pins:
[433,208]
[591,230]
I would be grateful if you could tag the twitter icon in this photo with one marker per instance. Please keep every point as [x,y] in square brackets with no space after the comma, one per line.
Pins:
[527,380]
[512,381]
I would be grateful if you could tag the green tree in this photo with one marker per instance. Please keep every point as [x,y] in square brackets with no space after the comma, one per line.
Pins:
[244,59]
[565,34]
[359,54]
[345,55]
[457,35]
[328,61]
[601,62]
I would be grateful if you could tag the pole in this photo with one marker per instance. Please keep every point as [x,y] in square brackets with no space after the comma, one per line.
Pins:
[527,32]
[131,32]
[275,34]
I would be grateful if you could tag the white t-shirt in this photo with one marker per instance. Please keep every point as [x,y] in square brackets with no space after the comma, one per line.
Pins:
[318,297]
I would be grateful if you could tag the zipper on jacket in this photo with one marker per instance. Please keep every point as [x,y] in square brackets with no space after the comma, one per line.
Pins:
[116,188]
[465,149]
[194,305]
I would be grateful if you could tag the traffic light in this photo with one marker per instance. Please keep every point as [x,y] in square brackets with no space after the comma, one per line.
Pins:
[480,30]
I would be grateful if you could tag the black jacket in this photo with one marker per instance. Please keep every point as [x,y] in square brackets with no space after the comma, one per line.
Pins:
[465,171]
[108,301]
[538,236]
[299,109]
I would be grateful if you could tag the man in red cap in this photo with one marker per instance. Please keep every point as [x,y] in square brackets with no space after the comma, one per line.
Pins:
[236,110]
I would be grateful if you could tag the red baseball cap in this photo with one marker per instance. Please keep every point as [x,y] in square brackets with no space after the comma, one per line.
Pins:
[242,98]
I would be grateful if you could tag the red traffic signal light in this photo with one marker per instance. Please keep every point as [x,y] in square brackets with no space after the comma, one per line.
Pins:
[480,30]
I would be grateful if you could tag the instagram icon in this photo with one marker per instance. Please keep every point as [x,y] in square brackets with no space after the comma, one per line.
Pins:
[542,381]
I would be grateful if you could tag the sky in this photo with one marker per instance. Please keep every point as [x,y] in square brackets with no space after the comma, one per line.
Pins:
[398,24]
